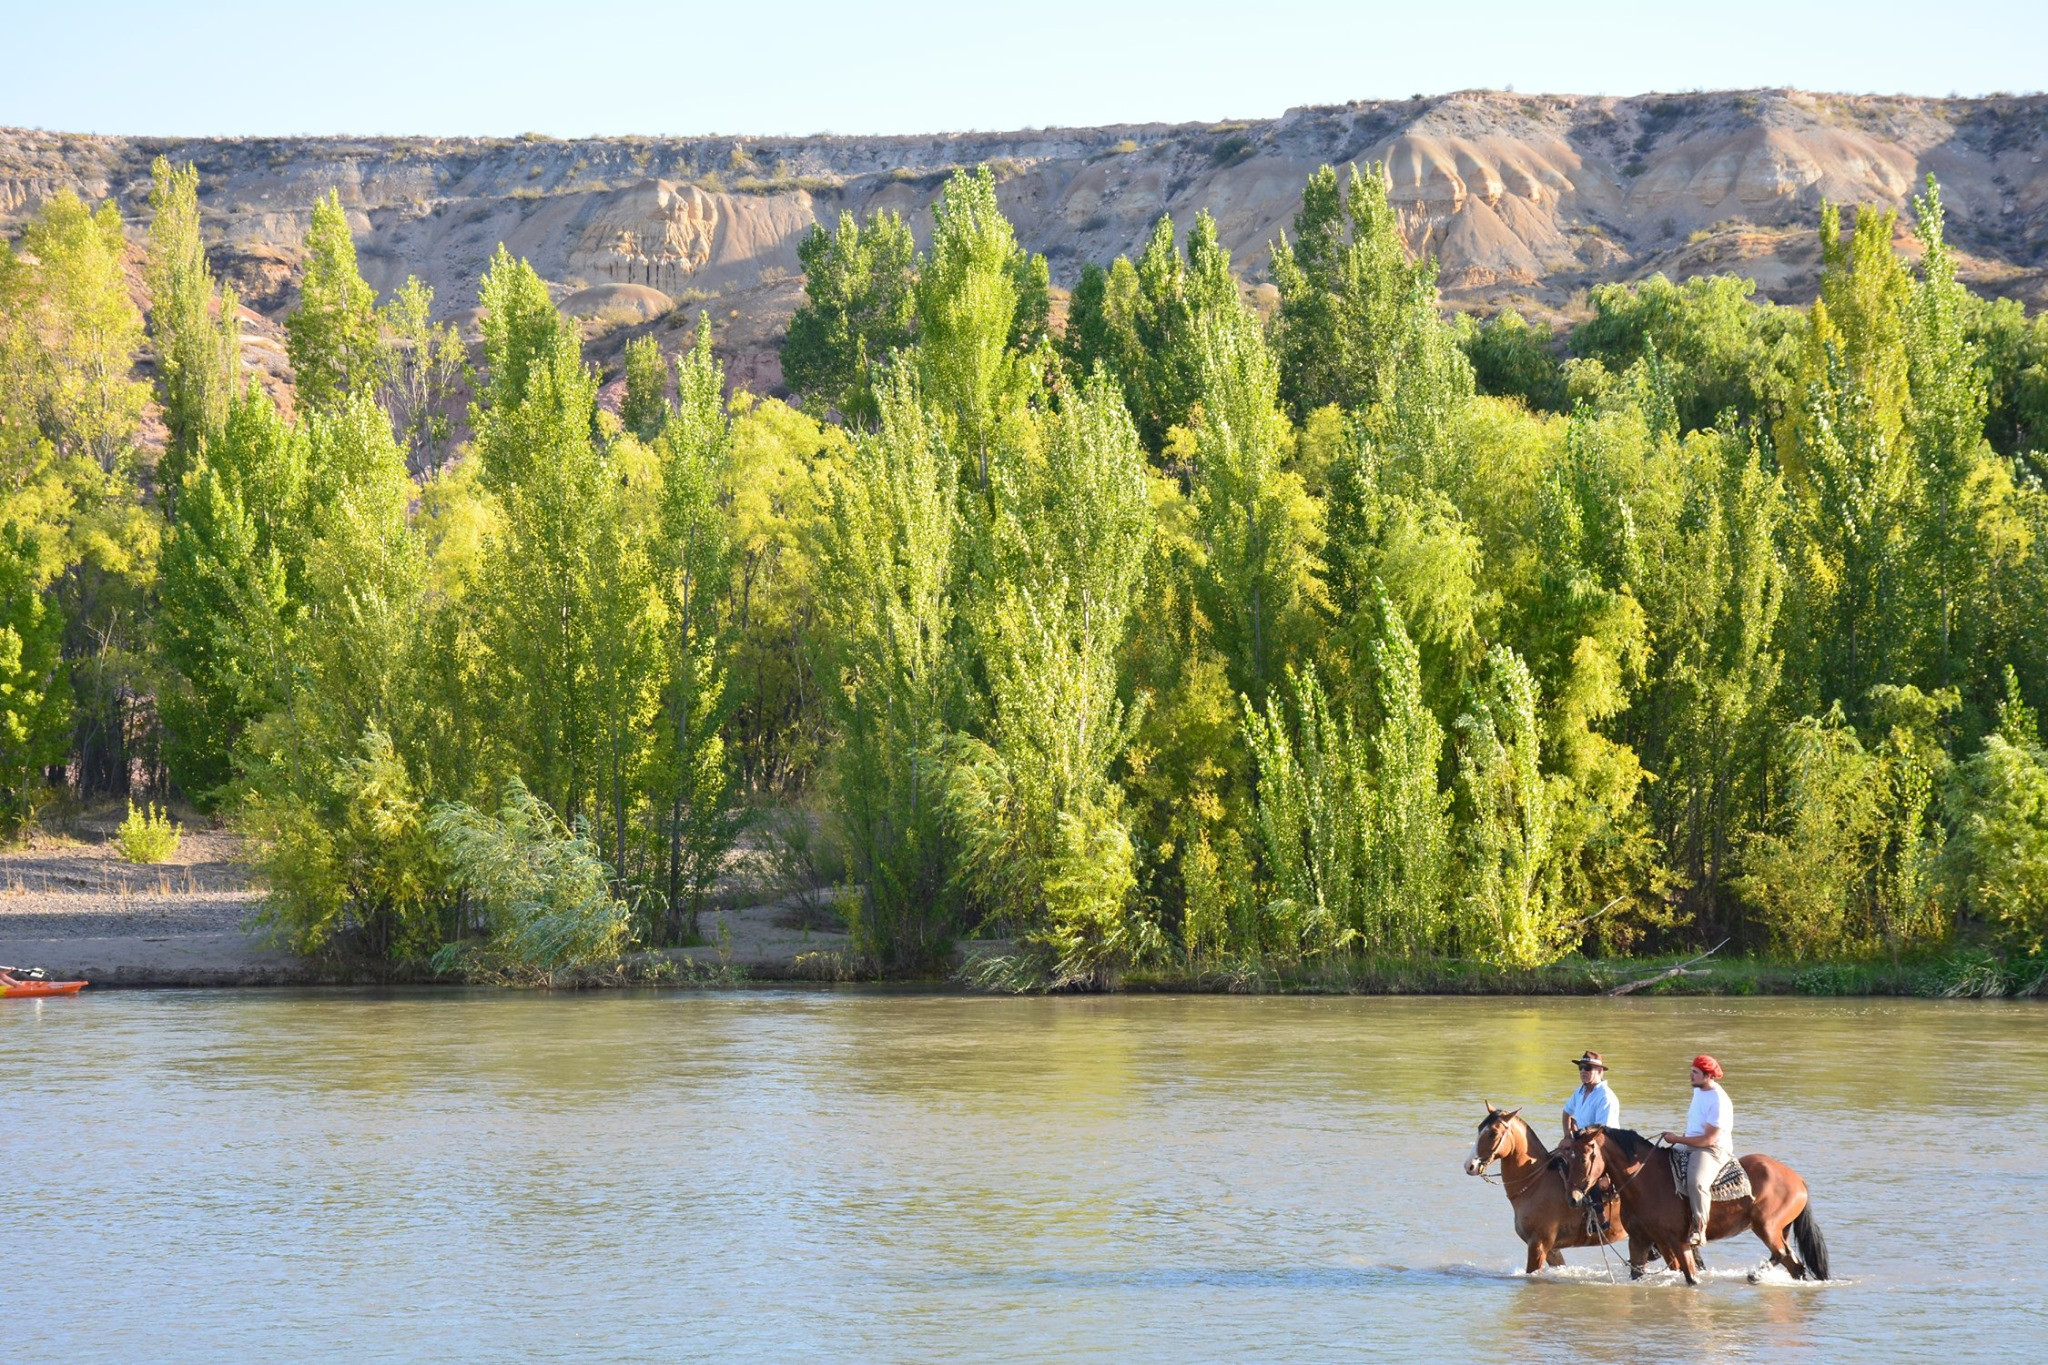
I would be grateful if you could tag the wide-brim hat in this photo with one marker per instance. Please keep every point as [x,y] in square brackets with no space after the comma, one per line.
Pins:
[1590,1059]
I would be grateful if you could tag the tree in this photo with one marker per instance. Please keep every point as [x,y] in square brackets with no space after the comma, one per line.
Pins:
[886,562]
[35,696]
[1410,876]
[976,311]
[88,330]
[428,366]
[1849,466]
[1035,813]
[232,587]
[1513,358]
[541,883]
[858,310]
[336,789]
[1847,865]
[693,780]
[197,332]
[1998,806]
[1720,346]
[1345,284]
[1255,522]
[1512,913]
[333,338]
[1316,808]
[1144,323]
[645,410]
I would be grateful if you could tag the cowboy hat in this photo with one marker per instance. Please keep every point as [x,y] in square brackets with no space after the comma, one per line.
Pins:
[1590,1058]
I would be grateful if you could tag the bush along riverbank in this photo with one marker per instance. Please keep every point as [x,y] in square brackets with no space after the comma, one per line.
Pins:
[1955,975]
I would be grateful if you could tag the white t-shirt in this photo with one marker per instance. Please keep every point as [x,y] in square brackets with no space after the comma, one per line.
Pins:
[1711,1108]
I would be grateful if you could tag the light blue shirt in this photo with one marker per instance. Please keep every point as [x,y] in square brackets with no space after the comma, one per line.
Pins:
[1598,1105]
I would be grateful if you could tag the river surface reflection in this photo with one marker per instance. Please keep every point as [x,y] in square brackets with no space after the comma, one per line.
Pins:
[460,1175]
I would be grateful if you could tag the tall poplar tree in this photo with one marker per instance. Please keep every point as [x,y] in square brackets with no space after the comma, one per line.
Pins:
[197,332]
[333,338]
[858,310]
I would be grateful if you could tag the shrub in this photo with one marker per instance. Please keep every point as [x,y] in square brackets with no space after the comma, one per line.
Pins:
[544,884]
[148,835]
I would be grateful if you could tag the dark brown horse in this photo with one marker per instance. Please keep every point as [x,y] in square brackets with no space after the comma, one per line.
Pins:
[1656,1214]
[1545,1217]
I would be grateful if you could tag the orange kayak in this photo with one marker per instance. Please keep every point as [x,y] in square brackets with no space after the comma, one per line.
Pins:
[27,988]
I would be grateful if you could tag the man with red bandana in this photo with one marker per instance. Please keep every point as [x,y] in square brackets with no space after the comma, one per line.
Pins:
[1710,1132]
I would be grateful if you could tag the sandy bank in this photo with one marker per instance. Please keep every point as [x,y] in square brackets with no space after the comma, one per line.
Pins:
[76,909]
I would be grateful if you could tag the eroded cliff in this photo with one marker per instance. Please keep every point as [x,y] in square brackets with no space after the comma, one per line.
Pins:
[1524,199]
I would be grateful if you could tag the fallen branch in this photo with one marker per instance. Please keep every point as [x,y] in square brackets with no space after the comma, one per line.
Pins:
[1682,969]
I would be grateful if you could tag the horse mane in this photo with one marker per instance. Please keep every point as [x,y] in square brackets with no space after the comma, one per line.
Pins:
[1633,1144]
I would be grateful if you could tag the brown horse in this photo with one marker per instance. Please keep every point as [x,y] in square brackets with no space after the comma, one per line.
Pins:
[1655,1211]
[1545,1216]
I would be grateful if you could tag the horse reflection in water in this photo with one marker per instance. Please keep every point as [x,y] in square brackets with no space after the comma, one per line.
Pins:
[1599,1160]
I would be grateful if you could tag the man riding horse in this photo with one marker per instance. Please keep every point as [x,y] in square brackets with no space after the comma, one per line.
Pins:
[1710,1132]
[1594,1101]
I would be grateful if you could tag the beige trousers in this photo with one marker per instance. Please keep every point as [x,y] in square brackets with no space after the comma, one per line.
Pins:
[1702,1164]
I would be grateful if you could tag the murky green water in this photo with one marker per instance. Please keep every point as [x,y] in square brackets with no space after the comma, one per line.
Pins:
[288,1176]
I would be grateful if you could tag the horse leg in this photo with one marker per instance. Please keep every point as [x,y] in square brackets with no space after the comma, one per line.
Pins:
[1538,1254]
[1680,1258]
[1556,1257]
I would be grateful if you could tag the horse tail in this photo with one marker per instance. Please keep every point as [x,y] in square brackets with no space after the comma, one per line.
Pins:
[1813,1248]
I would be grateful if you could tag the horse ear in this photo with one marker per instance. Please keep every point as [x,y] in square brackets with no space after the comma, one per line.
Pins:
[1492,1108]
[1512,1112]
[1571,1125]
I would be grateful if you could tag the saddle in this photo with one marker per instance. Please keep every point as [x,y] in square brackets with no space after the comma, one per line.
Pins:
[1731,1183]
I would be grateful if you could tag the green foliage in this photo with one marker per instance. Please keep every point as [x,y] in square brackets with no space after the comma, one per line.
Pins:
[1722,350]
[35,703]
[427,366]
[1154,633]
[343,847]
[1256,525]
[1144,324]
[1998,807]
[646,407]
[199,358]
[541,885]
[231,591]
[886,562]
[148,835]
[1347,288]
[1032,805]
[858,309]
[980,304]
[1513,914]
[1848,867]
[1514,359]
[336,347]
[690,771]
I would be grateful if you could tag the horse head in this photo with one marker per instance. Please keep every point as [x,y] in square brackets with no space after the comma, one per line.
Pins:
[1583,1155]
[1493,1139]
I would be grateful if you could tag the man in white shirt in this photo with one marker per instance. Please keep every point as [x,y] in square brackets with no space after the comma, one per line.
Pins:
[1710,1132]
[1593,1102]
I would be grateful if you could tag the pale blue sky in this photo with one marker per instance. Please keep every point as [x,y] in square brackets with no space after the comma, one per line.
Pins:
[800,66]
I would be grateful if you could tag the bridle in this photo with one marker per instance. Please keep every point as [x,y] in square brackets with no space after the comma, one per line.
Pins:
[1499,1125]
[1579,1199]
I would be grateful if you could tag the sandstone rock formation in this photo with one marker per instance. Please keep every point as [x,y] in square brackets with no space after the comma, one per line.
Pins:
[1524,199]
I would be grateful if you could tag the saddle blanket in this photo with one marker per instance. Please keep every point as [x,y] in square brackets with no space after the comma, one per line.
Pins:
[1732,1183]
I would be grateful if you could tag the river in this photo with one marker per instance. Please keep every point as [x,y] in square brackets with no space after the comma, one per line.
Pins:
[462,1175]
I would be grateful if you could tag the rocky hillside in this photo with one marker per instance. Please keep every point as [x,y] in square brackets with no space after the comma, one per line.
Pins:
[1525,199]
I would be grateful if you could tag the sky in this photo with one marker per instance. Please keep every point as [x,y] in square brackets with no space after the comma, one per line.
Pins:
[381,67]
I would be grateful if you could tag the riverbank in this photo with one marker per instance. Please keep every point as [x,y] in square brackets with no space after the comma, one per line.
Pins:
[71,905]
